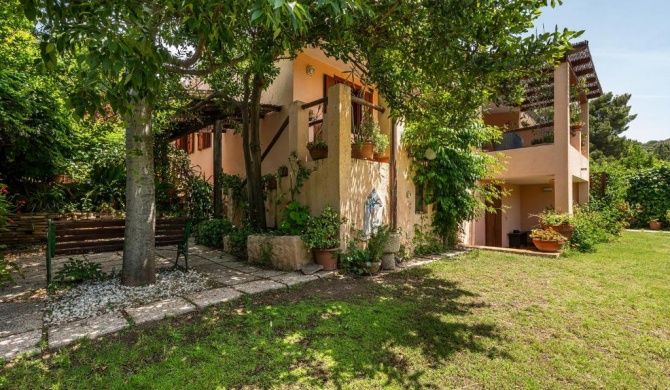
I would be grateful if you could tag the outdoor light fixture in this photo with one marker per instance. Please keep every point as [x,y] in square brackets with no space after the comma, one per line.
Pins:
[310,70]
[430,154]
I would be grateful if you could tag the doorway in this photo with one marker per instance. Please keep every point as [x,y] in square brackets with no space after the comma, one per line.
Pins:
[493,221]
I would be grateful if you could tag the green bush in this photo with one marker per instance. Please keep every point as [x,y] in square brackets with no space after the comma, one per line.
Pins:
[210,233]
[295,217]
[650,189]
[237,240]
[323,231]
[79,270]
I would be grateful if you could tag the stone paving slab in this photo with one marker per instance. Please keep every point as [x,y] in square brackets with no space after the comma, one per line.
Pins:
[89,327]
[243,267]
[159,310]
[212,297]
[259,286]
[20,317]
[232,277]
[268,273]
[294,278]
[20,343]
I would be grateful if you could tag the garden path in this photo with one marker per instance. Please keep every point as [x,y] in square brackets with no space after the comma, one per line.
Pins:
[22,307]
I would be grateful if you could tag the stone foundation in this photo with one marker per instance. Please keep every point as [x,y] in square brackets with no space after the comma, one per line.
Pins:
[287,253]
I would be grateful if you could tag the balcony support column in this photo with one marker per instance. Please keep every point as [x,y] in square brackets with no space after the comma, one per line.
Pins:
[562,177]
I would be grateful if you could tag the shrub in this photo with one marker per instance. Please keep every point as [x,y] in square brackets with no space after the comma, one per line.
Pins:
[650,188]
[237,240]
[323,231]
[210,233]
[593,226]
[78,270]
[361,254]
[295,217]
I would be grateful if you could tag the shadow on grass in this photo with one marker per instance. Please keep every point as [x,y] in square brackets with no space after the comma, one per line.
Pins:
[324,334]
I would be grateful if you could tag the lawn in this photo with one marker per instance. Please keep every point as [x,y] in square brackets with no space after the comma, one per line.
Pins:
[483,320]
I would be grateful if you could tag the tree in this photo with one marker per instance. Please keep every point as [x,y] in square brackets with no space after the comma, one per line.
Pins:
[35,127]
[609,117]
[132,54]
[660,148]
[135,54]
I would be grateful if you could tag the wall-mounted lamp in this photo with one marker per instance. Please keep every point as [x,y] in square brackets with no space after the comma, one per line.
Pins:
[430,154]
[310,70]
[548,189]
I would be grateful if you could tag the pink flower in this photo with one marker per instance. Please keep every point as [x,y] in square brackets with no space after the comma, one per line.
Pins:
[18,211]
[11,221]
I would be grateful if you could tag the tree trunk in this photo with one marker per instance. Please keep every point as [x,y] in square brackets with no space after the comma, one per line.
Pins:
[257,203]
[139,267]
[218,159]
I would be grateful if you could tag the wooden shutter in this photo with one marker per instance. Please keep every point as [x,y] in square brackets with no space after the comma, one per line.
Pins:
[189,143]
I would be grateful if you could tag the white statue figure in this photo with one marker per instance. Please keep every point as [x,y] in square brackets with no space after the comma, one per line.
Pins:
[372,217]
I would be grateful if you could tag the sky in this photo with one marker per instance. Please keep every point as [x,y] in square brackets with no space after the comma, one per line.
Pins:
[630,46]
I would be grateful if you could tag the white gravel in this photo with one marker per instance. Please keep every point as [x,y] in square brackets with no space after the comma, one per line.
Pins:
[93,299]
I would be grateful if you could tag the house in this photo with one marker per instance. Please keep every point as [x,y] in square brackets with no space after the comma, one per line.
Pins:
[546,163]
[315,94]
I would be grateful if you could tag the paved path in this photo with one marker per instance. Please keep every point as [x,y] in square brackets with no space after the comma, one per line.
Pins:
[22,328]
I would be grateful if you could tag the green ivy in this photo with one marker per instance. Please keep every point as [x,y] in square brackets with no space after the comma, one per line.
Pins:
[650,189]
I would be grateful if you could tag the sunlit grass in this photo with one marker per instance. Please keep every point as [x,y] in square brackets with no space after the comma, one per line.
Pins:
[483,320]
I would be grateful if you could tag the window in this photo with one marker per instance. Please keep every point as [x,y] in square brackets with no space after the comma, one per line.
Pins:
[204,140]
[356,109]
[185,143]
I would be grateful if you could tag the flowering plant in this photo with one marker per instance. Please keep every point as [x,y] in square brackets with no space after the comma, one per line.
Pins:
[547,235]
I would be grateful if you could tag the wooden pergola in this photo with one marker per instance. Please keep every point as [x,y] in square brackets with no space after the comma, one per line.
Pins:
[540,93]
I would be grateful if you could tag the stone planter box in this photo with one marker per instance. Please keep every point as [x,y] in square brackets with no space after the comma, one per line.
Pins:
[286,253]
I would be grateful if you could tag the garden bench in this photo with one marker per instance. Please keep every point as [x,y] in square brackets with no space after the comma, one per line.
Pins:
[88,236]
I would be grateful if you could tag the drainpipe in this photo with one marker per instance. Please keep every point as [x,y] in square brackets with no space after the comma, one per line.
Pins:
[394,178]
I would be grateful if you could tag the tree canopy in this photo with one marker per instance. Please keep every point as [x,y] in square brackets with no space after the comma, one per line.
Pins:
[609,117]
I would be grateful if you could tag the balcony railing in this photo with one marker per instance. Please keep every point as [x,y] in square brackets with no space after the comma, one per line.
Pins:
[525,137]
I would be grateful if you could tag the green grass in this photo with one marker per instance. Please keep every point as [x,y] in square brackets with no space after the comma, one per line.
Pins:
[485,320]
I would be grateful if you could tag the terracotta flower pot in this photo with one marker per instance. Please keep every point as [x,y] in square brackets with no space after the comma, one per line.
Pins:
[363,152]
[655,225]
[326,258]
[318,154]
[381,158]
[373,268]
[548,245]
[564,229]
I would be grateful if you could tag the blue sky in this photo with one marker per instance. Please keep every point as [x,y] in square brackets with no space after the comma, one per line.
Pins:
[630,45]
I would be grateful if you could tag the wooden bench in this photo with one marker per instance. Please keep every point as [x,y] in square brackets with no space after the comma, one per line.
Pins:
[90,236]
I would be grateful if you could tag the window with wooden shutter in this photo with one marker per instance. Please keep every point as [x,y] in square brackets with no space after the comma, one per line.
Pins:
[356,109]
[189,143]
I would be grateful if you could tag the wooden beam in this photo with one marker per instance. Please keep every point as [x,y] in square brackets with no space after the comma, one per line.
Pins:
[218,165]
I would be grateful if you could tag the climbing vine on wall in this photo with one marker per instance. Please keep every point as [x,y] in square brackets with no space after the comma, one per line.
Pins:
[452,177]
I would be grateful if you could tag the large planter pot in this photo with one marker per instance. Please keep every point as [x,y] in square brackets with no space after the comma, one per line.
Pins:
[655,225]
[373,268]
[363,152]
[286,253]
[548,245]
[392,244]
[564,229]
[318,154]
[575,128]
[326,258]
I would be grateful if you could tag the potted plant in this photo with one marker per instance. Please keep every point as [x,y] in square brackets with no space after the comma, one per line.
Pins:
[547,240]
[375,247]
[322,236]
[363,257]
[363,138]
[559,222]
[381,142]
[270,181]
[655,224]
[317,149]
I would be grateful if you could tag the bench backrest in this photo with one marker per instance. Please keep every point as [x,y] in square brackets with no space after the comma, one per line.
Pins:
[75,237]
